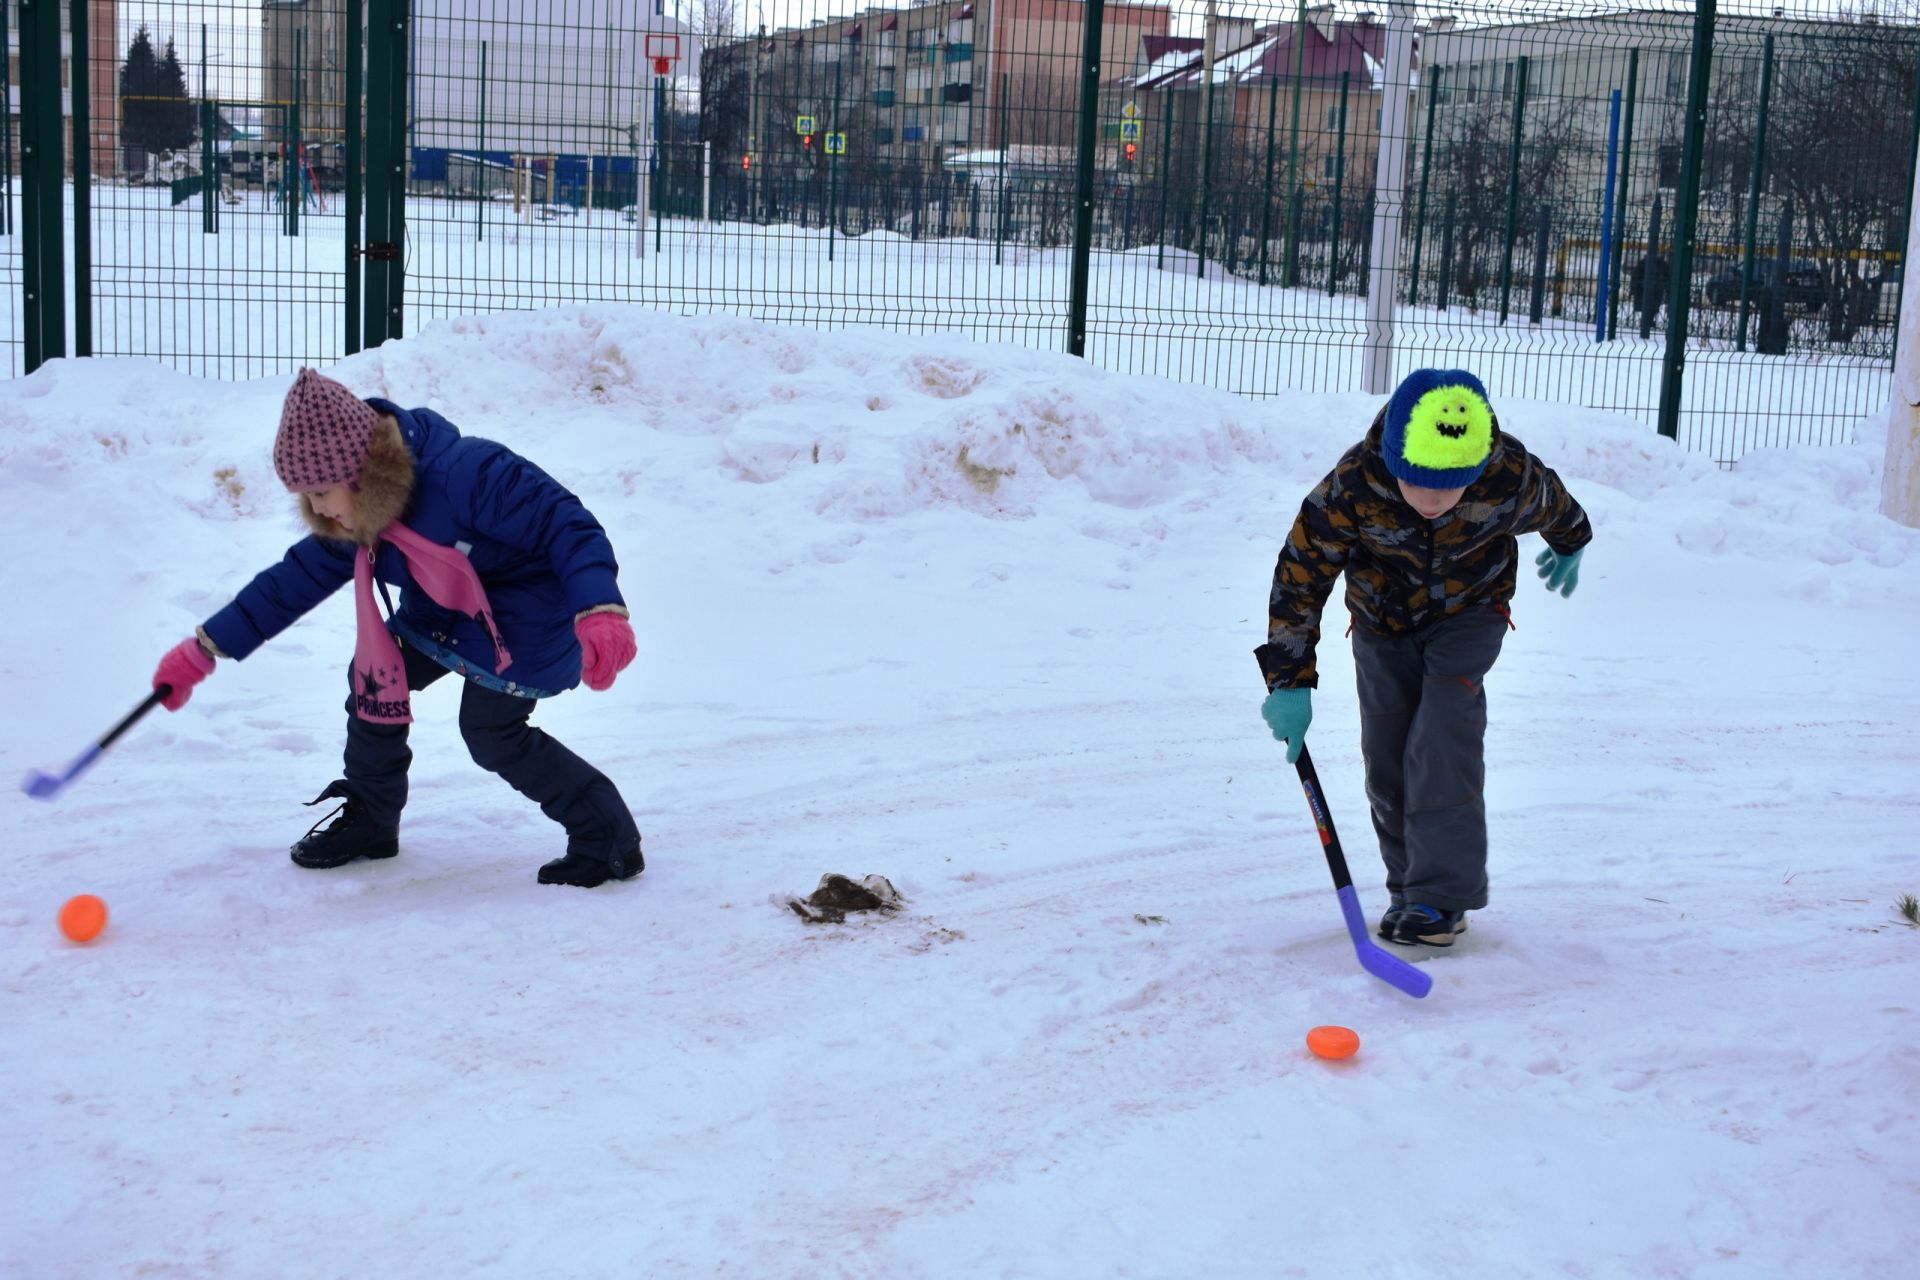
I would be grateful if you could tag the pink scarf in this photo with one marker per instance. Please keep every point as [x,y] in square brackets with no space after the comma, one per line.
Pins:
[379,675]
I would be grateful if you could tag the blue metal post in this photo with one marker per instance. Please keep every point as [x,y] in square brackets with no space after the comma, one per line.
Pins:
[1606,222]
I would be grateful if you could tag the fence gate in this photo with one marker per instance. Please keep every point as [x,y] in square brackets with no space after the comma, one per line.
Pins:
[214,196]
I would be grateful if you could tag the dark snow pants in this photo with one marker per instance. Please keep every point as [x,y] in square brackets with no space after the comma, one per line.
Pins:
[568,789]
[1423,728]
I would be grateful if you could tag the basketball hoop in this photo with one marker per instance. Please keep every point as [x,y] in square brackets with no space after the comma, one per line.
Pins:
[663,51]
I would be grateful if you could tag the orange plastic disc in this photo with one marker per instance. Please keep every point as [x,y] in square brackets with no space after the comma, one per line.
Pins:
[83,917]
[1333,1042]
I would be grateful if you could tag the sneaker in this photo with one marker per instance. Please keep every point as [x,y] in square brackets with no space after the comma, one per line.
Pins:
[584,872]
[1418,925]
[351,835]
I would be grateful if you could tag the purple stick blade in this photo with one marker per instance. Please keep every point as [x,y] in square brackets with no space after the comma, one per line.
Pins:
[1376,960]
[44,786]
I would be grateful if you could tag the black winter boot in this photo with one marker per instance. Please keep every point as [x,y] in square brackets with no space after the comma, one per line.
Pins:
[579,870]
[352,835]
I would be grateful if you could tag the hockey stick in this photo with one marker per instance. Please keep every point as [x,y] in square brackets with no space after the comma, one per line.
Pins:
[1374,958]
[45,786]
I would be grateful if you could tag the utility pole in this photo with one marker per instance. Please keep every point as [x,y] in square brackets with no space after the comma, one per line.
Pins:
[1389,199]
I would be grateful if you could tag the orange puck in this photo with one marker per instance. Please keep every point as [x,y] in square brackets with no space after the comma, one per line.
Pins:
[1333,1042]
[83,917]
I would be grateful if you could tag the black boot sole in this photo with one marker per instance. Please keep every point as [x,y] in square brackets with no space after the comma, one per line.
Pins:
[326,862]
[1408,938]
[586,873]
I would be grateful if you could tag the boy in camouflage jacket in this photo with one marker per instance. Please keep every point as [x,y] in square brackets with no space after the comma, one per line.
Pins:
[1422,517]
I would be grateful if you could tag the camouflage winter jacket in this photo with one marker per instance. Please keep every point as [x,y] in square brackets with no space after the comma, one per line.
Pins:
[1405,572]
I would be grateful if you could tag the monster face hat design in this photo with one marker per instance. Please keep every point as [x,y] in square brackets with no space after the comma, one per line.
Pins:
[1439,429]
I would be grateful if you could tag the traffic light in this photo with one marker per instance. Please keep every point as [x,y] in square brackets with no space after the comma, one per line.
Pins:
[746,162]
[1131,148]
[806,142]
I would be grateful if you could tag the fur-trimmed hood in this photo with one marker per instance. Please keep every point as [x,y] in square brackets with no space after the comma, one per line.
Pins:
[381,495]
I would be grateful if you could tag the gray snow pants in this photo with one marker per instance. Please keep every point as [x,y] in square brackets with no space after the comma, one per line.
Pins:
[1423,728]
[568,789]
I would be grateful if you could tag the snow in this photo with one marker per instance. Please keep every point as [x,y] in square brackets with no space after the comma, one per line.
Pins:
[977,618]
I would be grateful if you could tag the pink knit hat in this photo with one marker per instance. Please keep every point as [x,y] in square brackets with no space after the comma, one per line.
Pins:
[325,432]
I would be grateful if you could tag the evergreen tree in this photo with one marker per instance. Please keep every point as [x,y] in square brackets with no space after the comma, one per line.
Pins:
[177,114]
[137,97]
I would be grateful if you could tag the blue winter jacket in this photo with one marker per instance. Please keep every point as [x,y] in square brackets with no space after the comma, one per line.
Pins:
[540,554]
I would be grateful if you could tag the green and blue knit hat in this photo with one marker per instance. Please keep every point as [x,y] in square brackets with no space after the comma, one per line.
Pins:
[1439,429]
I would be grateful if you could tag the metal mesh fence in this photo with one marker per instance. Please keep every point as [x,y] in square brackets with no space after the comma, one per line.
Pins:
[217,221]
[1517,180]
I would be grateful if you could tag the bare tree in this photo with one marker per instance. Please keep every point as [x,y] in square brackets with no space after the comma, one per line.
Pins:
[716,20]
[1837,144]
[1475,157]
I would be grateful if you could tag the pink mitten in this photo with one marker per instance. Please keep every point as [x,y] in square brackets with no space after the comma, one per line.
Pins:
[606,647]
[185,666]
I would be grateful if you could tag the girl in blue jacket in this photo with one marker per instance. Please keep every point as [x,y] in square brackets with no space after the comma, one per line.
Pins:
[504,579]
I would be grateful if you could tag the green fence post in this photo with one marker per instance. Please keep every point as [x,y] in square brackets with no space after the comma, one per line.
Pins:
[1083,182]
[43,178]
[480,210]
[82,183]
[380,40]
[660,186]
[1165,178]
[1290,270]
[1003,205]
[1266,196]
[350,115]
[1205,98]
[209,158]
[1290,261]
[209,168]
[293,167]
[1685,215]
[1620,195]
[6,123]
[386,169]
[833,162]
[1753,194]
[1537,296]
[1644,296]
[1339,186]
[1420,207]
[1513,186]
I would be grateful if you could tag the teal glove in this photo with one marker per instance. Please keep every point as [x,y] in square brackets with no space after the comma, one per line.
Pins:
[1561,572]
[1288,712]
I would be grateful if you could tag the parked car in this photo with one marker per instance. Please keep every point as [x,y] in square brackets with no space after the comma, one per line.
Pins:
[1806,286]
